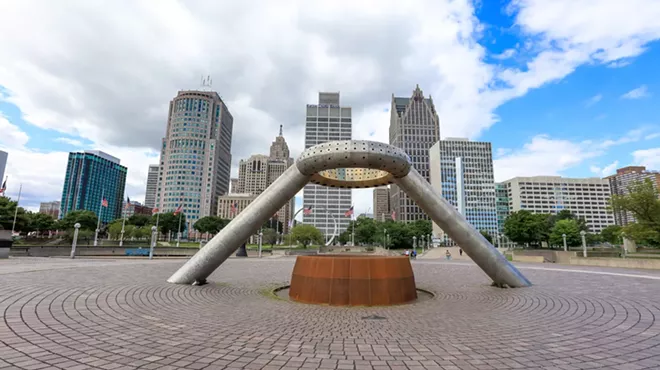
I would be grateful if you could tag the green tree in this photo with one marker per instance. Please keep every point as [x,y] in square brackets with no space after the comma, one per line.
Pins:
[7,211]
[523,227]
[569,227]
[643,202]
[419,227]
[366,230]
[486,235]
[611,234]
[270,236]
[169,222]
[210,224]
[139,220]
[86,219]
[306,235]
[40,222]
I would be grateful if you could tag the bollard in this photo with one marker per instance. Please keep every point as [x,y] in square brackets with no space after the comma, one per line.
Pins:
[75,240]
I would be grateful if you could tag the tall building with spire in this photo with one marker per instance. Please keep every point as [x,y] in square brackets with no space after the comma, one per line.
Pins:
[195,158]
[414,127]
[327,121]
[257,172]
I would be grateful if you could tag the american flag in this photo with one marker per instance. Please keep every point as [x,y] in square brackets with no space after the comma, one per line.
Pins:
[104,203]
[349,213]
[128,202]
[275,215]
[234,207]
[393,215]
[307,211]
[178,210]
[154,211]
[4,187]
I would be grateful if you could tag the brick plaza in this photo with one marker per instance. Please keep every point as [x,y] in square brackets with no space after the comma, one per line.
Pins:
[121,314]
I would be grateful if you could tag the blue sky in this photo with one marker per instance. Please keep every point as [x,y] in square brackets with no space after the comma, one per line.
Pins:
[559,88]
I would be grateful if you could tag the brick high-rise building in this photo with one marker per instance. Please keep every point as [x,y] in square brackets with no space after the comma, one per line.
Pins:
[195,159]
[256,173]
[381,203]
[414,127]
[327,121]
[50,208]
[621,181]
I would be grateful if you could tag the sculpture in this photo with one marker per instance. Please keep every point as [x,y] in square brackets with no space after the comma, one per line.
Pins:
[350,164]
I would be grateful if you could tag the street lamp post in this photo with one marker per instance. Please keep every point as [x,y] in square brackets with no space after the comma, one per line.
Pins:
[584,243]
[384,238]
[423,243]
[261,235]
[75,240]
[623,244]
[415,244]
[565,246]
[429,238]
[154,236]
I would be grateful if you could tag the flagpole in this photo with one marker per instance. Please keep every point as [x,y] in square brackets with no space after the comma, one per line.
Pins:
[13,225]
[123,224]
[178,236]
[353,232]
[98,221]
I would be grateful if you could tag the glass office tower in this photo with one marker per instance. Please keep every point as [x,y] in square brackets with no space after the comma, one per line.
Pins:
[90,177]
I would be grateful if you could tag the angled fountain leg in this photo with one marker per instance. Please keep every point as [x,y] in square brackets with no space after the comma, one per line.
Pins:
[492,262]
[218,249]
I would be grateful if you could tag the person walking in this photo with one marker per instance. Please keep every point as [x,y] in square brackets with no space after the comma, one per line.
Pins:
[448,255]
[460,251]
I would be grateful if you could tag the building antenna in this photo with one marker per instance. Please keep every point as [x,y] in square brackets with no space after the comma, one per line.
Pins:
[207,82]
[280,130]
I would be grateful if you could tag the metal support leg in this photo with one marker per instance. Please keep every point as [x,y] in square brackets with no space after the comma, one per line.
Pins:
[492,262]
[218,249]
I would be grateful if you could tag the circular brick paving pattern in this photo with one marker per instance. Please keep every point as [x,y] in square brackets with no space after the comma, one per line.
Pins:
[123,315]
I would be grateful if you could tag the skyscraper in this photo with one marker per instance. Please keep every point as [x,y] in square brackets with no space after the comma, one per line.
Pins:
[3,165]
[91,177]
[152,186]
[414,127]
[462,171]
[256,173]
[327,121]
[381,203]
[621,181]
[195,159]
[50,208]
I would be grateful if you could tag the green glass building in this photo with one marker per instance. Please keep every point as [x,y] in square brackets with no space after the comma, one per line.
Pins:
[90,177]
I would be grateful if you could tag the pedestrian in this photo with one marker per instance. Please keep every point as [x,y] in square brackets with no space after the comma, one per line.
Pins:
[414,254]
[407,253]
[448,255]
[460,251]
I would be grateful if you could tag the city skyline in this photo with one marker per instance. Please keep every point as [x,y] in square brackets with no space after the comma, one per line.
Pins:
[575,100]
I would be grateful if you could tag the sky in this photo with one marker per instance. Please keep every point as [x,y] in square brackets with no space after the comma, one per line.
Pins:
[562,87]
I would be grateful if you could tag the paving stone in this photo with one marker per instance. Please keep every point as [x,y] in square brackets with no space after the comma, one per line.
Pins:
[121,314]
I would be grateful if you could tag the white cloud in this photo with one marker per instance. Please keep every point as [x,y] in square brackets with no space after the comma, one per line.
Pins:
[506,54]
[106,74]
[638,93]
[593,100]
[648,157]
[605,171]
[70,141]
[11,135]
[544,155]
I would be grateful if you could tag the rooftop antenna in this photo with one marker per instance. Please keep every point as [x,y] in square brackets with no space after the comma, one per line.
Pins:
[207,82]
[280,130]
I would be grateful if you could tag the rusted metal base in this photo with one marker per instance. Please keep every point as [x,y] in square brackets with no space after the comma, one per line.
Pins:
[341,280]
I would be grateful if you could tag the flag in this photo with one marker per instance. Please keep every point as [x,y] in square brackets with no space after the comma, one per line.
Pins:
[234,207]
[178,210]
[307,211]
[104,203]
[291,223]
[275,215]
[393,215]
[4,187]
[128,202]
[349,213]
[154,211]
